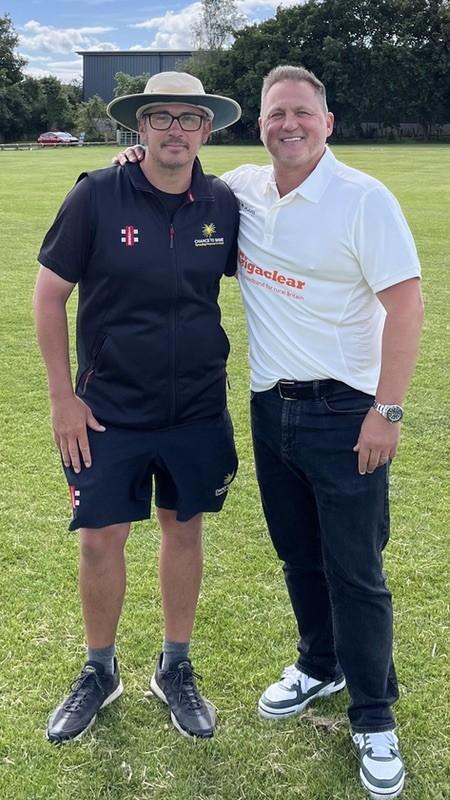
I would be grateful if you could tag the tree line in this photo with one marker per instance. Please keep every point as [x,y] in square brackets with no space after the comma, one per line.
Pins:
[30,106]
[382,61]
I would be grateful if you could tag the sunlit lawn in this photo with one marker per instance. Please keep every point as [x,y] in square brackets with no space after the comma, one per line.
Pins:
[245,632]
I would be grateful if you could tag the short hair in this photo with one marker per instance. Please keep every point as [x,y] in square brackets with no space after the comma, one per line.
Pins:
[290,73]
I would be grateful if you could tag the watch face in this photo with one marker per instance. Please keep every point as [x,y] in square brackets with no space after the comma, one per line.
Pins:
[394,413]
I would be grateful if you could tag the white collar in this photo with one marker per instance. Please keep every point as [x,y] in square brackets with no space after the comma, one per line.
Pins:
[313,187]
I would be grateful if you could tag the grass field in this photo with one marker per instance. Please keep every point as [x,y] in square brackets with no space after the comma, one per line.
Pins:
[245,632]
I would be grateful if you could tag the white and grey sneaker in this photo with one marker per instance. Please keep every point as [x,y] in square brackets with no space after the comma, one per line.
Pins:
[293,693]
[382,771]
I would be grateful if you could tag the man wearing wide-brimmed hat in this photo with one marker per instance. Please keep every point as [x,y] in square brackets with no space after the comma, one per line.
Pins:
[147,245]
[169,148]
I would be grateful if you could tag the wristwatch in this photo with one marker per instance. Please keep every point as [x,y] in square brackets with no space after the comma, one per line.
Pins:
[392,413]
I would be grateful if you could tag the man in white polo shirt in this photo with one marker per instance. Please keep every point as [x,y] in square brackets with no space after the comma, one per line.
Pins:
[329,276]
[330,280]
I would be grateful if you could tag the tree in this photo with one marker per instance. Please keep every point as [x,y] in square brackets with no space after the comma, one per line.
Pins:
[216,25]
[93,119]
[74,95]
[386,62]
[10,64]
[129,84]
[29,106]
[56,109]
[10,74]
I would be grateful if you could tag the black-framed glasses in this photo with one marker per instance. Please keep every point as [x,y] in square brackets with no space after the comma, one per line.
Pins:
[163,120]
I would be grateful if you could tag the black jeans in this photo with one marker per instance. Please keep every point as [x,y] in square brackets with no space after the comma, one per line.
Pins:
[329,525]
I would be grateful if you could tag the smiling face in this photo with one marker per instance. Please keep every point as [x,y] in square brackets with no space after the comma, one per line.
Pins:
[294,127]
[175,148]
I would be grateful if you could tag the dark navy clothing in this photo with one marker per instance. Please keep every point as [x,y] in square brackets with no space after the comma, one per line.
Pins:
[329,525]
[192,467]
[150,346]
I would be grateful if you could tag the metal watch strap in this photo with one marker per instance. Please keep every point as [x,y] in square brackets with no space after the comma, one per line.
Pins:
[383,409]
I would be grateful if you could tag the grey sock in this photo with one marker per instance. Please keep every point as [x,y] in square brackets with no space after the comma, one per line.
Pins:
[174,652]
[104,656]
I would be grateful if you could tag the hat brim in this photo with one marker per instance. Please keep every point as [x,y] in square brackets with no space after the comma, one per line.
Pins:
[123,109]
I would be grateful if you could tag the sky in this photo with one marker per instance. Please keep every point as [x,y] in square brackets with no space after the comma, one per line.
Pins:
[51,31]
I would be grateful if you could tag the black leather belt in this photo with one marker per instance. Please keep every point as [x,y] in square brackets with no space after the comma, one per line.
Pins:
[305,390]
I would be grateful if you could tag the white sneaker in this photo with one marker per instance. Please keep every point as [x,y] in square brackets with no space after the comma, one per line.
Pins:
[382,771]
[293,693]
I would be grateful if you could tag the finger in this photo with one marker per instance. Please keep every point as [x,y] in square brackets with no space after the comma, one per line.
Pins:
[130,155]
[393,452]
[74,455]
[84,449]
[373,461]
[363,458]
[91,422]
[384,458]
[64,452]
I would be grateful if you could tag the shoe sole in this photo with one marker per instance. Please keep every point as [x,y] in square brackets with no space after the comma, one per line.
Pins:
[110,699]
[269,713]
[378,794]
[160,694]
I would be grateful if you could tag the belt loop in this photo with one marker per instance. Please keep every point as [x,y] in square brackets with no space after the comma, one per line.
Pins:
[316,389]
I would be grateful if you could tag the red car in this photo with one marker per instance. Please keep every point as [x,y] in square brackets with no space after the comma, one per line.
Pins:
[57,137]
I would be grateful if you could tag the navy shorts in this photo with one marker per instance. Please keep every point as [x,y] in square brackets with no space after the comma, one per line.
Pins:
[192,466]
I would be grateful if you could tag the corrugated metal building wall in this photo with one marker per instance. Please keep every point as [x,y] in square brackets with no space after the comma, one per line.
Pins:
[100,66]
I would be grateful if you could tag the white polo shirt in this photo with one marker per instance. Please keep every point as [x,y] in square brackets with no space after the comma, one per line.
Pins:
[310,264]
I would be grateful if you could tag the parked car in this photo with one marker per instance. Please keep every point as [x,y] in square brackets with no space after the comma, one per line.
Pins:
[57,137]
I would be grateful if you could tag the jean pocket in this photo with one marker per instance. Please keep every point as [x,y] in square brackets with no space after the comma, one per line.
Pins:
[354,402]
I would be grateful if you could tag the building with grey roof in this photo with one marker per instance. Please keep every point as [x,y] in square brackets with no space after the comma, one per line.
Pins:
[100,67]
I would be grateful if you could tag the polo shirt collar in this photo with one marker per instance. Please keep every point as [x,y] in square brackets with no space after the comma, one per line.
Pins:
[315,184]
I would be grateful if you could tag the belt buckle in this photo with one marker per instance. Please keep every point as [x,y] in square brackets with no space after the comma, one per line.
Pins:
[285,383]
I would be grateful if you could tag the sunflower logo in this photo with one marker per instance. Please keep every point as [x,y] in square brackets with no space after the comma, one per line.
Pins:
[208,229]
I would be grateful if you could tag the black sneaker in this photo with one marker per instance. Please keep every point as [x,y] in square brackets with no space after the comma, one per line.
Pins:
[191,713]
[93,690]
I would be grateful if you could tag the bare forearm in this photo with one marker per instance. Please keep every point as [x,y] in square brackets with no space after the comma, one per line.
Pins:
[378,439]
[53,338]
[70,415]
[400,348]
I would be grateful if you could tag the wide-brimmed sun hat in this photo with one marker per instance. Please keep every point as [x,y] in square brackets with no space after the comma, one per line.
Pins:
[174,87]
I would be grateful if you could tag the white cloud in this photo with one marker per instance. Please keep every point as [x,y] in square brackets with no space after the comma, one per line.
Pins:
[35,58]
[246,6]
[101,46]
[173,30]
[37,72]
[169,31]
[185,14]
[65,71]
[48,39]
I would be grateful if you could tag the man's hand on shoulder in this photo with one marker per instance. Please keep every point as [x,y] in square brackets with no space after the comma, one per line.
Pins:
[71,417]
[132,154]
[377,442]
